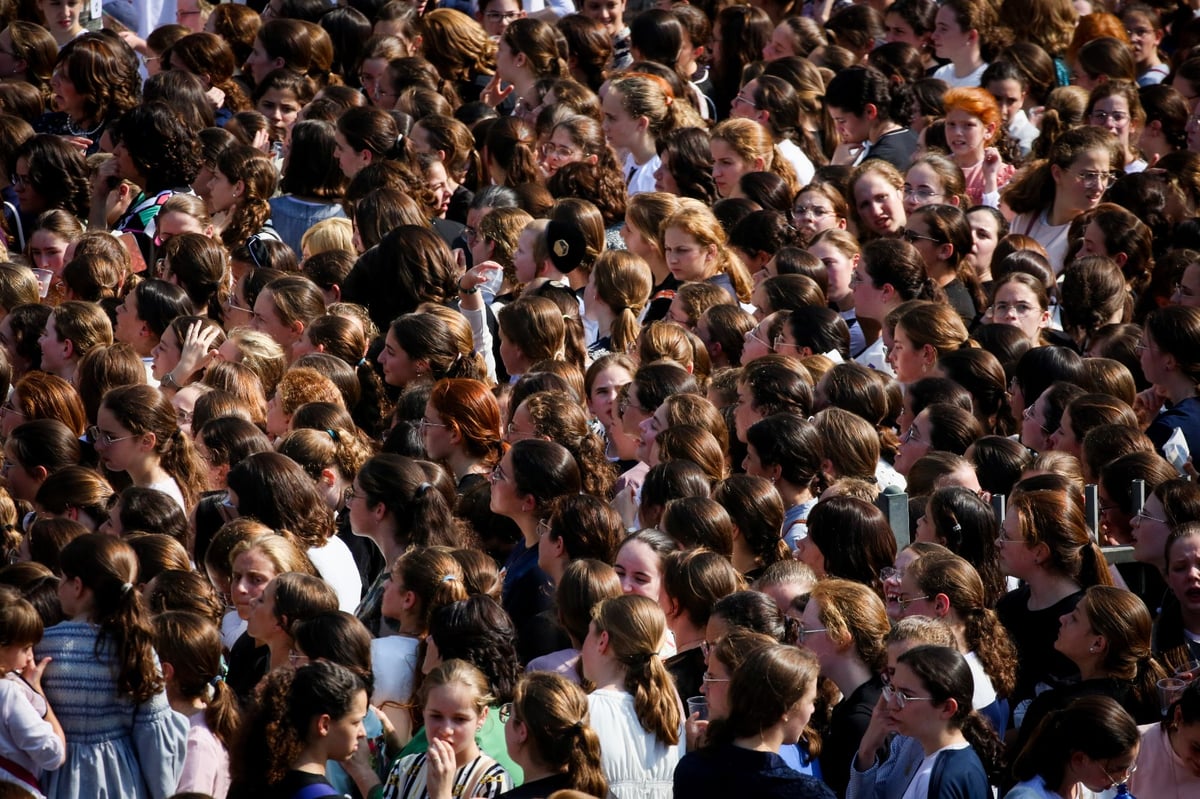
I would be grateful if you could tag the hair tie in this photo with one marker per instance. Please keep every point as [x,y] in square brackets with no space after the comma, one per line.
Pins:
[449,578]
[218,679]
[422,488]
[362,362]
[126,588]
[332,434]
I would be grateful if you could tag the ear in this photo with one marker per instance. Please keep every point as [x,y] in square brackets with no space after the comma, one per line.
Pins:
[949,708]
[1121,258]
[278,63]
[410,600]
[941,605]
[38,473]
[643,124]
[601,642]
[328,478]
[929,354]
[592,159]
[147,442]
[1056,172]
[557,545]
[870,112]
[68,348]
[168,671]
[945,251]
[760,165]
[989,131]
[520,59]
[324,724]
[239,188]
[422,365]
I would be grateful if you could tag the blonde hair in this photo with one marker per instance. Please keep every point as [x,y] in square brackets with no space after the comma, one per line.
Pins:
[752,142]
[702,225]
[651,97]
[328,234]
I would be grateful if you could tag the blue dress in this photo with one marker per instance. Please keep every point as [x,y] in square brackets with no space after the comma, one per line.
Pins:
[116,749]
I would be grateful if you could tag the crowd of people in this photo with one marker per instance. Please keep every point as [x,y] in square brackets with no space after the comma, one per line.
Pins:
[516,399]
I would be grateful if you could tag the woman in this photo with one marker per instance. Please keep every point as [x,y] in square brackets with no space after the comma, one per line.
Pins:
[1019,299]
[634,704]
[93,85]
[644,215]
[844,624]
[742,146]
[923,332]
[312,190]
[1045,542]
[942,234]
[526,53]
[695,245]
[1167,758]
[771,696]
[876,201]
[638,110]
[547,733]
[461,428]
[1049,194]
[243,181]
[1091,745]
[848,538]
[364,136]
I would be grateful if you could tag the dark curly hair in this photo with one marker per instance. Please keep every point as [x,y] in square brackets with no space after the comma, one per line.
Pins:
[689,160]
[478,631]
[161,147]
[57,171]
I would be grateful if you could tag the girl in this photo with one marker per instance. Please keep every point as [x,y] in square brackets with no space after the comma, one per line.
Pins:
[616,293]
[638,110]
[1116,107]
[61,18]
[50,239]
[420,582]
[634,704]
[1044,541]
[1051,193]
[1145,30]
[190,649]
[771,696]
[844,624]
[839,252]
[1170,338]
[364,136]
[285,308]
[1167,755]
[29,730]
[527,52]
[1019,299]
[819,206]
[300,720]
[454,701]
[644,216]
[548,734]
[923,332]
[933,178]
[942,235]
[124,739]
[242,183]
[461,428]
[1092,745]
[696,248]
[972,130]
[877,205]
[137,432]
[287,600]
[890,272]
[872,118]
[929,698]
[741,146]
[392,503]
[965,33]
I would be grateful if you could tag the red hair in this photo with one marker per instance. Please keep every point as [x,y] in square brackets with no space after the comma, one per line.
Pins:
[470,408]
[978,103]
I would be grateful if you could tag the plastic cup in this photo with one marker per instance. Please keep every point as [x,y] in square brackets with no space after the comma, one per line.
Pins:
[1170,690]
[44,276]
[1189,670]
[697,704]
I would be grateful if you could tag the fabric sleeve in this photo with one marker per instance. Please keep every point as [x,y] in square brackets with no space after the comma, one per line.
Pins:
[199,770]
[160,742]
[483,337]
[29,733]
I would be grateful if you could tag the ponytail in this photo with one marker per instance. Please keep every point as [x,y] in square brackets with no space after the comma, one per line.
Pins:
[178,458]
[655,700]
[982,738]
[583,760]
[625,328]
[1093,568]
[991,643]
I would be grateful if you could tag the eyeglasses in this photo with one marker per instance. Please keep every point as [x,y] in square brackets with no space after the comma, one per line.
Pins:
[470,234]
[894,696]
[752,336]
[183,417]
[1101,179]
[706,677]
[1003,539]
[924,195]
[497,474]
[98,436]
[560,152]
[1125,775]
[19,180]
[421,425]
[350,493]
[501,16]
[626,403]
[1100,117]
[802,633]
[1027,415]
[505,712]
[740,100]
[514,433]
[913,434]
[257,248]
[814,211]
[856,278]
[889,573]
[296,658]
[1139,515]
[912,237]
[543,527]
[904,603]
[779,342]
[1021,309]
[231,305]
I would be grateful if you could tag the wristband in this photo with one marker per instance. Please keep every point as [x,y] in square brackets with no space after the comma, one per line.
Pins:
[462,290]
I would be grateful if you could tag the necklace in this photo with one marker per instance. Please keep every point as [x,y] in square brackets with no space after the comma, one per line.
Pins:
[85,133]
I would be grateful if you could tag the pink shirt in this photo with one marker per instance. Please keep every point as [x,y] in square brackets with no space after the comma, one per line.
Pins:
[1161,774]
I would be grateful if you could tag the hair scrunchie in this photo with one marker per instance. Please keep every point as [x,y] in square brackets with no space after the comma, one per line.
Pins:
[126,588]
[422,488]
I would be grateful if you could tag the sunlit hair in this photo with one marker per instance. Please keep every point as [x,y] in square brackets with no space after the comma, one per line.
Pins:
[701,225]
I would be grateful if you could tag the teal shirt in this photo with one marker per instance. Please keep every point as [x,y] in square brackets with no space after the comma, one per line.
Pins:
[490,739]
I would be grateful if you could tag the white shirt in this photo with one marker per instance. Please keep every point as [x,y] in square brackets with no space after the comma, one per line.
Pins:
[635,763]
[799,161]
[640,178]
[336,566]
[946,73]
[919,787]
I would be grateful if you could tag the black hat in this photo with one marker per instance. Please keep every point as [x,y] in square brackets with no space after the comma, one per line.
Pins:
[567,246]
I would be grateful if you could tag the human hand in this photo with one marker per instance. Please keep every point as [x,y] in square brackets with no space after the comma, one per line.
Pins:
[33,671]
[479,274]
[697,731]
[494,94]
[196,352]
[440,768]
